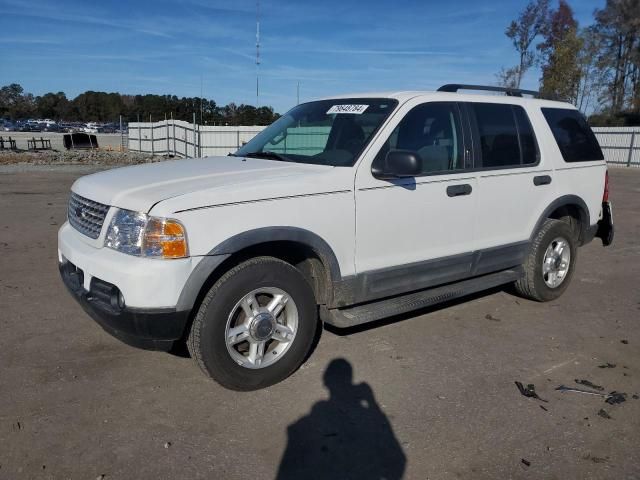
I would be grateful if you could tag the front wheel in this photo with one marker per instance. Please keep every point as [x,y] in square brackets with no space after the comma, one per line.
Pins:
[549,265]
[255,326]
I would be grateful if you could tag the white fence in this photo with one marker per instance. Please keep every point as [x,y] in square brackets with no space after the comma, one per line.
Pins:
[620,145]
[184,139]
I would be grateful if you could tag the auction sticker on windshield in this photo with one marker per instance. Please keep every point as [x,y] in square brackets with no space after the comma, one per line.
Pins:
[356,109]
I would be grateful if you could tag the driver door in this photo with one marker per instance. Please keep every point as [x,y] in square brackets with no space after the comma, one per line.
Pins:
[413,233]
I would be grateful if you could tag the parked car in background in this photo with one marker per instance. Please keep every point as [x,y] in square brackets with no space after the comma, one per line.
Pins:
[30,127]
[51,127]
[70,127]
[91,128]
[7,126]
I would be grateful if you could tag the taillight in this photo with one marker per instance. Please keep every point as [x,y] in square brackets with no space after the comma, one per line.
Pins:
[605,195]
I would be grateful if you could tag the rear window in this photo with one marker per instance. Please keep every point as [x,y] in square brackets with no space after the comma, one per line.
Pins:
[506,135]
[572,133]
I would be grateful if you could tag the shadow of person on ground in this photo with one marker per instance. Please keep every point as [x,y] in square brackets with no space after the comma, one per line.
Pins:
[345,437]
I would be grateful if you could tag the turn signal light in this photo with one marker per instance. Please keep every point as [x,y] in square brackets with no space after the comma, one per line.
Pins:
[165,239]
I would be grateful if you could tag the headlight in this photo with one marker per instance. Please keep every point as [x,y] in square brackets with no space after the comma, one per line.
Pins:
[138,234]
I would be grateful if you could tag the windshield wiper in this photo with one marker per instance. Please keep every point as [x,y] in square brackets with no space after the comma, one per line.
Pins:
[268,155]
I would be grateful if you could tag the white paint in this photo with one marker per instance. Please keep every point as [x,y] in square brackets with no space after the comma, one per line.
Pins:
[367,226]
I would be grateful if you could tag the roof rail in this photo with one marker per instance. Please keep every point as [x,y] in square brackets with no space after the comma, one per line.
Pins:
[511,92]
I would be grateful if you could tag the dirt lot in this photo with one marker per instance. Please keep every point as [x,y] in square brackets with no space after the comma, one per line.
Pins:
[76,403]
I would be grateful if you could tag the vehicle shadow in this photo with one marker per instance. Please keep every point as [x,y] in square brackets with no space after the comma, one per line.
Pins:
[347,436]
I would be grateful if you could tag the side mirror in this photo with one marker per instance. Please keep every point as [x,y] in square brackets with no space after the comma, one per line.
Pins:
[398,164]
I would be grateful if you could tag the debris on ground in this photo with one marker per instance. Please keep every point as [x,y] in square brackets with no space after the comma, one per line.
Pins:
[529,391]
[526,462]
[564,388]
[603,413]
[635,396]
[595,459]
[626,342]
[167,444]
[587,383]
[607,365]
[611,398]
[616,397]
[488,316]
[544,408]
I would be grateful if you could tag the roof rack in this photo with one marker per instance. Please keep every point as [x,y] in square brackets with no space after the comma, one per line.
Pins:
[511,92]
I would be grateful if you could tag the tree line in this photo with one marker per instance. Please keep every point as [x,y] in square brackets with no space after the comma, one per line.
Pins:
[597,67]
[16,104]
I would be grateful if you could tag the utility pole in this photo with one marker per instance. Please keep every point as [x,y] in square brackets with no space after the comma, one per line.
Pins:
[257,53]
[201,89]
[298,93]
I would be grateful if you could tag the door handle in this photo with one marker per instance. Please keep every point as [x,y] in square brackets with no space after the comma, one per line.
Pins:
[541,180]
[458,190]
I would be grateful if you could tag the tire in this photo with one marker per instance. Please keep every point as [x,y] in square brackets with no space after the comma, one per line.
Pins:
[535,284]
[239,367]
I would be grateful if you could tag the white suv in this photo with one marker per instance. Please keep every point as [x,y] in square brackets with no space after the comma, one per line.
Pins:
[345,211]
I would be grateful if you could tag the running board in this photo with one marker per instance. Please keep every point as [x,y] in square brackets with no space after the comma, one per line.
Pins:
[370,312]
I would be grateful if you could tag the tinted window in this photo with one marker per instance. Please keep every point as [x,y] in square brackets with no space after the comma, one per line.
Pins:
[572,133]
[506,136]
[432,130]
[528,143]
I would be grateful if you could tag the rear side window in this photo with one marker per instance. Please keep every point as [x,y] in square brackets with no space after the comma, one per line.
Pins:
[506,135]
[574,136]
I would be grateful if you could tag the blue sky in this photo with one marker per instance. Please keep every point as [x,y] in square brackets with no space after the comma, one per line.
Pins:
[329,46]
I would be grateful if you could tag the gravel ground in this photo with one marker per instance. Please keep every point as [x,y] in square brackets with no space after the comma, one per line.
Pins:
[432,391]
[74,157]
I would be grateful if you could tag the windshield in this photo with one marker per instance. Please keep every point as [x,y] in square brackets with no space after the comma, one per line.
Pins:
[326,132]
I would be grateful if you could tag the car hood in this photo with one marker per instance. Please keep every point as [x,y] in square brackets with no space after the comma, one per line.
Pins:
[177,185]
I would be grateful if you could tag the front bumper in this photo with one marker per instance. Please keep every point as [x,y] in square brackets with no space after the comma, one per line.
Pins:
[134,299]
[151,329]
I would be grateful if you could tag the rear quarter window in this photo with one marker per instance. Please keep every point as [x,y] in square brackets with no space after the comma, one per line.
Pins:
[573,135]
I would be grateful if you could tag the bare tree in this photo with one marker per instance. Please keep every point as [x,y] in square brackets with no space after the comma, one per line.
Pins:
[523,32]
[508,77]
[618,25]
[560,51]
[591,80]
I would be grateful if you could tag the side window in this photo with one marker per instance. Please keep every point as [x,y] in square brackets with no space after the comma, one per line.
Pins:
[528,144]
[432,130]
[505,134]
[572,133]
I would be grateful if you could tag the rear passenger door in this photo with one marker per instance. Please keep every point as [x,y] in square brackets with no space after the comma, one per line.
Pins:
[515,181]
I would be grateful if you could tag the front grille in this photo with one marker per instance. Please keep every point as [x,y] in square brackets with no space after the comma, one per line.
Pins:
[86,216]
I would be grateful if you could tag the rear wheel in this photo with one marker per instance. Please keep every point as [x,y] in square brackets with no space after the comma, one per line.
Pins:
[550,263]
[255,326]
